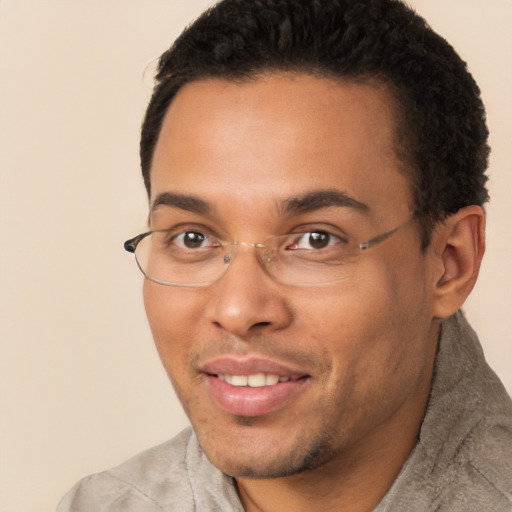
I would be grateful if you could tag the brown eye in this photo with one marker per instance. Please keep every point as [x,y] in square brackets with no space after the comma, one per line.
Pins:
[190,239]
[319,240]
[315,240]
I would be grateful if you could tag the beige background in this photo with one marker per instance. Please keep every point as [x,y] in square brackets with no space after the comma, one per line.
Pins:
[80,384]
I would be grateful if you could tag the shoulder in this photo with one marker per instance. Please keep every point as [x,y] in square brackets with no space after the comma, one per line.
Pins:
[471,472]
[463,459]
[473,418]
[475,462]
[484,477]
[479,471]
[149,481]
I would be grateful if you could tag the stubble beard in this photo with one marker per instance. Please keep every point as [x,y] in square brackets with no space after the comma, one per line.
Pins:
[297,459]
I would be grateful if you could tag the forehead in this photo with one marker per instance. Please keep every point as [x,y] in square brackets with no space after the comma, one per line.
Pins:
[280,136]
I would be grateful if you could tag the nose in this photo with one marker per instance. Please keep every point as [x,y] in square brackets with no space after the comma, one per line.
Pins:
[246,300]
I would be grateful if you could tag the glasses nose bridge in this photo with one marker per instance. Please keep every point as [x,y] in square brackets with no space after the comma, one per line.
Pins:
[247,244]
[231,251]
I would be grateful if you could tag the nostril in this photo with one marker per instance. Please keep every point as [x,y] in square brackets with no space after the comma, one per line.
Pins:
[261,324]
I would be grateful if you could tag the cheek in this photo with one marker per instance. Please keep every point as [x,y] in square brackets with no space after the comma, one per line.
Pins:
[394,330]
[174,317]
[373,327]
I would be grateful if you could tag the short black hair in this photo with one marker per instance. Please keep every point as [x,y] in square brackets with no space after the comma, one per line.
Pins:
[442,135]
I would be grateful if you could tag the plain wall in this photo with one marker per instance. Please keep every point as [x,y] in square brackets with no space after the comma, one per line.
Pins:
[81,385]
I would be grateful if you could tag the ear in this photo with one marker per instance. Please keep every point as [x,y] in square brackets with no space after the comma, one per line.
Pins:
[459,245]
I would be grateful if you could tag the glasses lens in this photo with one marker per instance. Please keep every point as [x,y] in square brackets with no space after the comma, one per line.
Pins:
[166,263]
[309,259]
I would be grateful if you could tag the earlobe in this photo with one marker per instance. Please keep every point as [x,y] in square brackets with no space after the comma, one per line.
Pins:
[459,244]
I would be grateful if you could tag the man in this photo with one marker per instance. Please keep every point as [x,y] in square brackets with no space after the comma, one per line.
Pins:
[315,171]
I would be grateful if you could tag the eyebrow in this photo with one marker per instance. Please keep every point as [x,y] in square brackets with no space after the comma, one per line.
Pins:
[182,201]
[318,199]
[311,201]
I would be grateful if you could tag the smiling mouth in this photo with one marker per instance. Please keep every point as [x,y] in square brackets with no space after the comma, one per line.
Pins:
[253,394]
[256,380]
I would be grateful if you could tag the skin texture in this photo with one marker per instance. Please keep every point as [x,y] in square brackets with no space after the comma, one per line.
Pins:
[366,344]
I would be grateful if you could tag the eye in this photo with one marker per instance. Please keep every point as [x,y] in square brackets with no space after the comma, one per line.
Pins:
[314,240]
[192,240]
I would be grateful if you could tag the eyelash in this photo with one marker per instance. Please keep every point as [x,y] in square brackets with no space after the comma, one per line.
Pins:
[303,236]
[182,228]
[183,233]
[297,237]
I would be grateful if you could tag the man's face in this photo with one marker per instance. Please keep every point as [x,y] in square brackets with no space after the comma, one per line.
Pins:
[353,358]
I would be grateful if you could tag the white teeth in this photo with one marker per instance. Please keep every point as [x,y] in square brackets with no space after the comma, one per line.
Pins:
[270,380]
[239,380]
[256,380]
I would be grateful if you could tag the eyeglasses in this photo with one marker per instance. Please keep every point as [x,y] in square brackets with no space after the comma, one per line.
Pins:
[192,258]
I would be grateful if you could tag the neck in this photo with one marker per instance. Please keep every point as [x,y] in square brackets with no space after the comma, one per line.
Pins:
[343,484]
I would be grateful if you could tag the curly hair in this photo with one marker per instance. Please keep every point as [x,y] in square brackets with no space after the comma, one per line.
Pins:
[441,138]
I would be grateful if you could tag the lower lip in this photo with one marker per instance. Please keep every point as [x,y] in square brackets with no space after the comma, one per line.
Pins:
[247,401]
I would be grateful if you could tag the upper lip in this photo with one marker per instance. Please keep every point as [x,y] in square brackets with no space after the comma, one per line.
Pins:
[230,365]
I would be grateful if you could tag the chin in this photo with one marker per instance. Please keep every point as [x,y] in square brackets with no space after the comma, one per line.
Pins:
[251,459]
